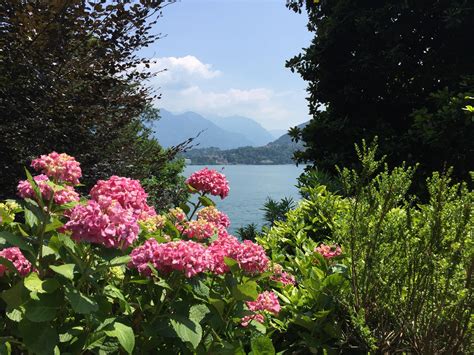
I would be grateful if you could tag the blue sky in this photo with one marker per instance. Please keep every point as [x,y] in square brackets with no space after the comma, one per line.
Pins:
[227,57]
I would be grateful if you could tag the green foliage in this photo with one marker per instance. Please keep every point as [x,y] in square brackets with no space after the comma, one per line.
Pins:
[71,81]
[394,69]
[267,155]
[409,265]
[277,210]
[85,298]
[248,232]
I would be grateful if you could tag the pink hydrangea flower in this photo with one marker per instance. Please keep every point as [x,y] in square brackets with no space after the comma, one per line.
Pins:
[267,301]
[65,195]
[328,251]
[223,246]
[281,276]
[25,190]
[258,317]
[128,192]
[209,181]
[251,257]
[185,256]
[15,255]
[59,167]
[105,222]
[212,214]
[199,229]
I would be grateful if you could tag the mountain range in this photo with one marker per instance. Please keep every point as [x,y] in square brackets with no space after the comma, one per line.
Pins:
[279,151]
[213,131]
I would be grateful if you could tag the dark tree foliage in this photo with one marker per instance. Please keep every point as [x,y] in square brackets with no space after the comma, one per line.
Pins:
[71,81]
[395,69]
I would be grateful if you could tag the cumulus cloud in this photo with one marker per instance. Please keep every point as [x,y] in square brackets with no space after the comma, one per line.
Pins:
[181,71]
[187,85]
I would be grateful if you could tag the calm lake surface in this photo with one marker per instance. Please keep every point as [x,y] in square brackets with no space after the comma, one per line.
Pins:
[250,185]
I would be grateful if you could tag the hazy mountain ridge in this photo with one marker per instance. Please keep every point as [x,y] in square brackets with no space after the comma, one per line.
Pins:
[279,151]
[248,127]
[221,132]
[172,129]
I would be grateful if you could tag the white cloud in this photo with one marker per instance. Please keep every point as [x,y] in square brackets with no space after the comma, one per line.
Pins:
[187,85]
[176,71]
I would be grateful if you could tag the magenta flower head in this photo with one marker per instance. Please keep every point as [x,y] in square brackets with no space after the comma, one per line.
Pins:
[199,229]
[328,251]
[64,195]
[209,181]
[251,257]
[222,247]
[59,167]
[184,256]
[267,301]
[105,222]
[14,254]
[127,192]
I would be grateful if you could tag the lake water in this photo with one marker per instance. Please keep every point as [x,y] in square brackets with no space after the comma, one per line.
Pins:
[250,185]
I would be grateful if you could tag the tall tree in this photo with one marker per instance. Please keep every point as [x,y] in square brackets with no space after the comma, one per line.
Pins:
[397,69]
[71,81]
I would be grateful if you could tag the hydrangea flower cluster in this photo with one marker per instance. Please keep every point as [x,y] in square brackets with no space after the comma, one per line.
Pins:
[267,301]
[128,192]
[251,257]
[193,258]
[328,251]
[105,222]
[59,167]
[65,195]
[282,276]
[199,229]
[14,254]
[209,181]
[222,247]
[212,214]
[186,256]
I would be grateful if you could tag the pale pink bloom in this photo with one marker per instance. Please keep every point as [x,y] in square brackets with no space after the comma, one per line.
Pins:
[65,195]
[258,317]
[223,246]
[328,251]
[199,229]
[212,214]
[59,167]
[251,257]
[266,301]
[15,255]
[209,181]
[105,222]
[127,192]
[185,256]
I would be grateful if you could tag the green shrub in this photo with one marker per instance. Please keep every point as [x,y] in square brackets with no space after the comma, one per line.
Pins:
[105,274]
[409,265]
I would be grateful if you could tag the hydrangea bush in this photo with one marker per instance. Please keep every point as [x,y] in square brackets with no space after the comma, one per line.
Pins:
[105,273]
